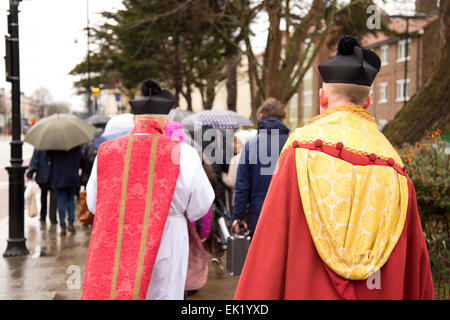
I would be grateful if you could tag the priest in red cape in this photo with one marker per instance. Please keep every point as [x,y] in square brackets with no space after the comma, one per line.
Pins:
[141,189]
[340,218]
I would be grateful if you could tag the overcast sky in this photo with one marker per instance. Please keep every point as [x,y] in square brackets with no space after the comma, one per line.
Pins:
[52,42]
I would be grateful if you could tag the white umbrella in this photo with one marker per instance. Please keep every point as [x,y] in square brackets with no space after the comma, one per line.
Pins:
[119,123]
[117,127]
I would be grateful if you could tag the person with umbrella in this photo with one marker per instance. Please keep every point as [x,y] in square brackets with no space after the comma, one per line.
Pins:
[64,178]
[62,135]
[39,169]
[142,188]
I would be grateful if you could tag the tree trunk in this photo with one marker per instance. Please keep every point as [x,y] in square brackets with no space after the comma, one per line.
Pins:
[188,96]
[272,55]
[210,94]
[231,71]
[429,108]
[255,95]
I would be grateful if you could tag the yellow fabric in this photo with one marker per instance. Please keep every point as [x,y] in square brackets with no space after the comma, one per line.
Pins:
[355,214]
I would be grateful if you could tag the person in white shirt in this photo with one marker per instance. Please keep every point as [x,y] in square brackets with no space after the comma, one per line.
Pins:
[192,197]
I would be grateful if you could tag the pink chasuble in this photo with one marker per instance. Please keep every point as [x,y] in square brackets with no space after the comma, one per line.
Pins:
[136,178]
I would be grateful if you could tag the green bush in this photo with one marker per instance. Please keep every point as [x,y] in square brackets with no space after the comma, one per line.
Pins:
[427,164]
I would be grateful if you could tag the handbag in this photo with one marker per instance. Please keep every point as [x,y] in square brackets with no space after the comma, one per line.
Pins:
[198,265]
[32,199]
[86,217]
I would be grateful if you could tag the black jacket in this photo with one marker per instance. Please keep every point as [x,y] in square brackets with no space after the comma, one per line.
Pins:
[64,168]
[39,165]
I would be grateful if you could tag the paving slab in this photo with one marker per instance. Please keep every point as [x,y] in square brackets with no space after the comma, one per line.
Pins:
[54,268]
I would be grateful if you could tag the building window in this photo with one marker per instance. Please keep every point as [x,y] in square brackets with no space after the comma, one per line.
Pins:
[371,95]
[383,93]
[293,112]
[307,95]
[402,90]
[382,123]
[307,105]
[384,55]
[401,50]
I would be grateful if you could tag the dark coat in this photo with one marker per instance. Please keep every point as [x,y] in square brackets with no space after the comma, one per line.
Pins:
[88,155]
[256,168]
[40,166]
[64,167]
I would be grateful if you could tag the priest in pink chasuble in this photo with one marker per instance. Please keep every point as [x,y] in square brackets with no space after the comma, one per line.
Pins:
[142,188]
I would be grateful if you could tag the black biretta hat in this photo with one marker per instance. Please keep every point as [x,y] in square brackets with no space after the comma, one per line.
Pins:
[154,100]
[351,64]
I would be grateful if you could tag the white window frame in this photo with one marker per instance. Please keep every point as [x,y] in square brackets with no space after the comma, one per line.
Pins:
[384,55]
[371,95]
[308,93]
[401,50]
[401,96]
[307,106]
[382,86]
[293,111]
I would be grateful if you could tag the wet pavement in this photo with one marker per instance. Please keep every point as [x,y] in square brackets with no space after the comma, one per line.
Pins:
[5,155]
[55,266]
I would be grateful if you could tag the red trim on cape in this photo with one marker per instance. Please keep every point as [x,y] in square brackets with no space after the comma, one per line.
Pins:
[338,151]
[282,262]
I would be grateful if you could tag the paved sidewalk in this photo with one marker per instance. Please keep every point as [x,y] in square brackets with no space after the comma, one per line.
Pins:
[52,270]
[55,266]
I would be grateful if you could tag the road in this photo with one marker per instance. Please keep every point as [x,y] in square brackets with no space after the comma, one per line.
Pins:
[5,154]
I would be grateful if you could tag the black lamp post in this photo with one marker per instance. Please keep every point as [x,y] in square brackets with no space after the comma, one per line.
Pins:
[89,102]
[407,18]
[16,240]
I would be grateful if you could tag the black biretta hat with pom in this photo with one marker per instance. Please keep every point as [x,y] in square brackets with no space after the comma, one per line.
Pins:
[352,64]
[154,100]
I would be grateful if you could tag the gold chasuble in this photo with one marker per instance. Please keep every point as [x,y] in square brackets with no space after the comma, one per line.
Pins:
[355,213]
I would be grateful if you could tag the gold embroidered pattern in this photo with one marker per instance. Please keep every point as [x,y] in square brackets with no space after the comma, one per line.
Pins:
[123,199]
[148,207]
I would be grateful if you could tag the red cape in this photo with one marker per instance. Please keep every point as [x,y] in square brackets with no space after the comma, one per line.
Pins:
[137,175]
[282,262]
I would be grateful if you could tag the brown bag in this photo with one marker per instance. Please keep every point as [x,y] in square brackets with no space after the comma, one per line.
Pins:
[32,211]
[86,217]
[198,265]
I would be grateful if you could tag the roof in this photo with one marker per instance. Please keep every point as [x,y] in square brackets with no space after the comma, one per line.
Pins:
[398,25]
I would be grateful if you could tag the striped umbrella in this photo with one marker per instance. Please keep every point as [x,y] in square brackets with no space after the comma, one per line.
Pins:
[221,119]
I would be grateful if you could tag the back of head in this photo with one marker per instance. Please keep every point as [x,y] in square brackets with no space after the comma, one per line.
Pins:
[271,108]
[353,93]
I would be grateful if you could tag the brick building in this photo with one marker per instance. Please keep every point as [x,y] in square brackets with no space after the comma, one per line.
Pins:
[402,74]
[391,89]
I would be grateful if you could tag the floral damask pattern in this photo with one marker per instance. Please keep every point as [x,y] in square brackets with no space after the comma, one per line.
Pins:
[355,213]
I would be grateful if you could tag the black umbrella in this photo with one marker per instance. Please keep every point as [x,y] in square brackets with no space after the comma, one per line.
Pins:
[98,121]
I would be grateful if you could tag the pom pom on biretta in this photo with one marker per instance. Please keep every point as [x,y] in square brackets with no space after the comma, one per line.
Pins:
[154,100]
[346,45]
[150,87]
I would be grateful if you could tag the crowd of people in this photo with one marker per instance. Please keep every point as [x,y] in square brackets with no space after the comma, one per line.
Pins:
[329,208]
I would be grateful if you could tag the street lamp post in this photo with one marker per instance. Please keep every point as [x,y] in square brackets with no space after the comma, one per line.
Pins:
[89,105]
[16,240]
